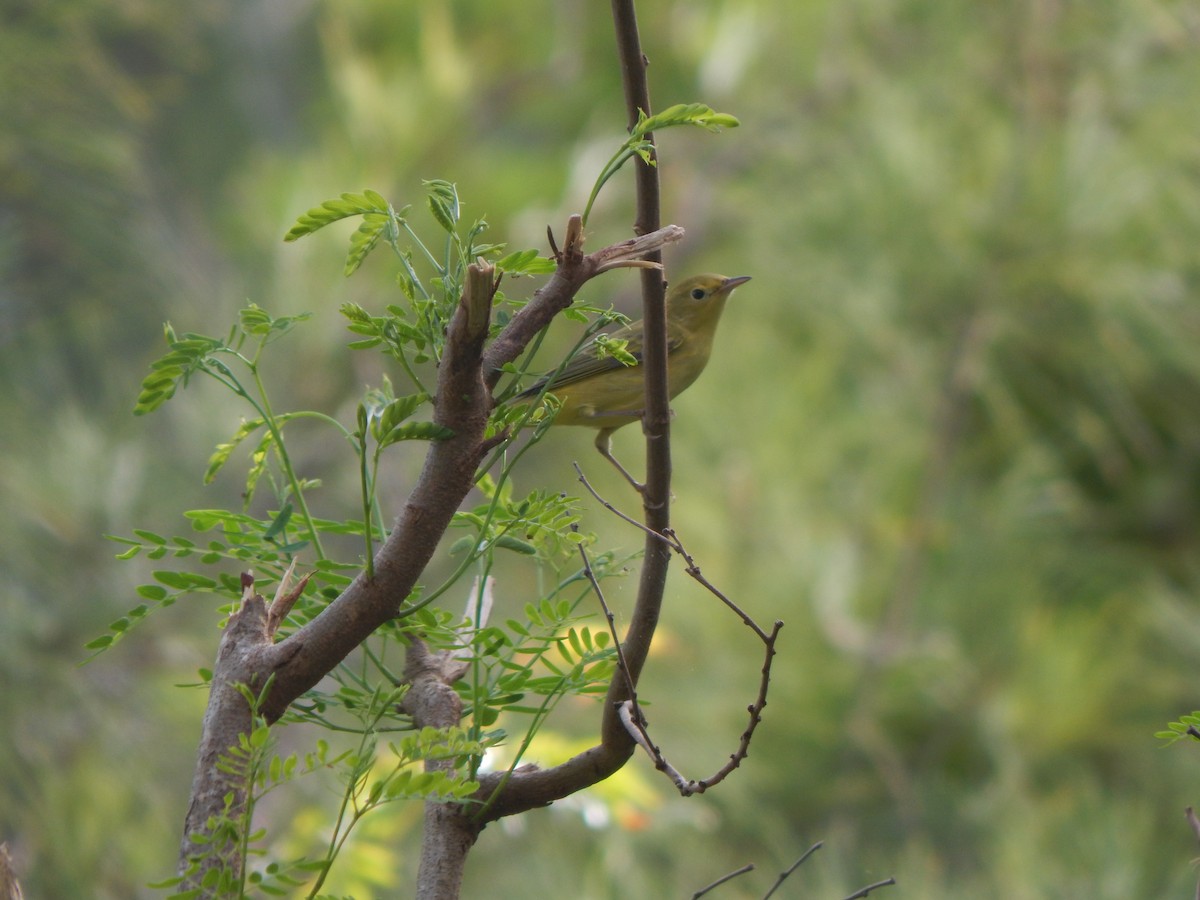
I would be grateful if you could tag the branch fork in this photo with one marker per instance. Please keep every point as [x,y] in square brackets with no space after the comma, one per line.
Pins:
[249,656]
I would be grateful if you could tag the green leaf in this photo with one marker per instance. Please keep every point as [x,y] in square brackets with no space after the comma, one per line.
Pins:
[375,793]
[576,643]
[400,784]
[511,543]
[186,356]
[443,203]
[607,346]
[334,210]
[204,519]
[355,313]
[170,882]
[279,524]
[526,262]
[257,322]
[683,114]
[395,412]
[258,463]
[184,581]
[416,431]
[364,239]
[222,453]
[462,545]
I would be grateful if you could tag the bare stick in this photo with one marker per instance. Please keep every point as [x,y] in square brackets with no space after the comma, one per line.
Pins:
[694,571]
[509,793]
[629,711]
[748,867]
[632,719]
[786,873]
[608,616]
[862,892]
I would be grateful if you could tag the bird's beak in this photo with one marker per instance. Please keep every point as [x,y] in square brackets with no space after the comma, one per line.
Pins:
[730,283]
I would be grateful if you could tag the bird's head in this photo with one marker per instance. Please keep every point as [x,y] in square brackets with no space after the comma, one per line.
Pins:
[701,297]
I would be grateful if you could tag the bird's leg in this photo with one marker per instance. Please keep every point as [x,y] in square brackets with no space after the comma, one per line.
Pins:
[604,445]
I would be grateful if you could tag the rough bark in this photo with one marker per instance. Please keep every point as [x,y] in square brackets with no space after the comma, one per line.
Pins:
[448,836]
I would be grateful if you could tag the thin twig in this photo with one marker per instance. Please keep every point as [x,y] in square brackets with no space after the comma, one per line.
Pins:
[748,867]
[786,873]
[694,570]
[609,617]
[656,507]
[862,892]
[635,724]
[629,711]
[633,720]
[612,509]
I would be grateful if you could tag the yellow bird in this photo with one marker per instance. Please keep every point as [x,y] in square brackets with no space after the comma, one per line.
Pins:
[599,391]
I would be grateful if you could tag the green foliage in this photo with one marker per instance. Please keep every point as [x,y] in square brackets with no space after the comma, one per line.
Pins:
[521,670]
[542,523]
[606,346]
[639,142]
[331,211]
[1187,726]
[194,353]
[525,262]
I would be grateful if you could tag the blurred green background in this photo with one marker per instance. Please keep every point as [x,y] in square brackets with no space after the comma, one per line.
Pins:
[950,434]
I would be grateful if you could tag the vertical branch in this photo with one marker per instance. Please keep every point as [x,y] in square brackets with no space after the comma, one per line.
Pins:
[448,835]
[217,791]
[656,421]
[506,794]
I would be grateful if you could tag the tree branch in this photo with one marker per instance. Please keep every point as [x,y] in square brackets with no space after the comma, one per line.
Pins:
[657,418]
[574,269]
[241,662]
[432,702]
[248,654]
[630,713]
[527,788]
[462,405]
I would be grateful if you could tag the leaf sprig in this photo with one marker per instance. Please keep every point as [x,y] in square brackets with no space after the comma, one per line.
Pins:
[639,144]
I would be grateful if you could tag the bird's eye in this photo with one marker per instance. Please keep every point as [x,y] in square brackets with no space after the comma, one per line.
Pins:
[698,293]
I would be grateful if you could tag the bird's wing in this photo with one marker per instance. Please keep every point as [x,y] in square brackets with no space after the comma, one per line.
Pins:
[588,363]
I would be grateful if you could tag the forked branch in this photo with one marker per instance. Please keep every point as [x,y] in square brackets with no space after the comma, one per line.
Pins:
[249,656]
[630,713]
